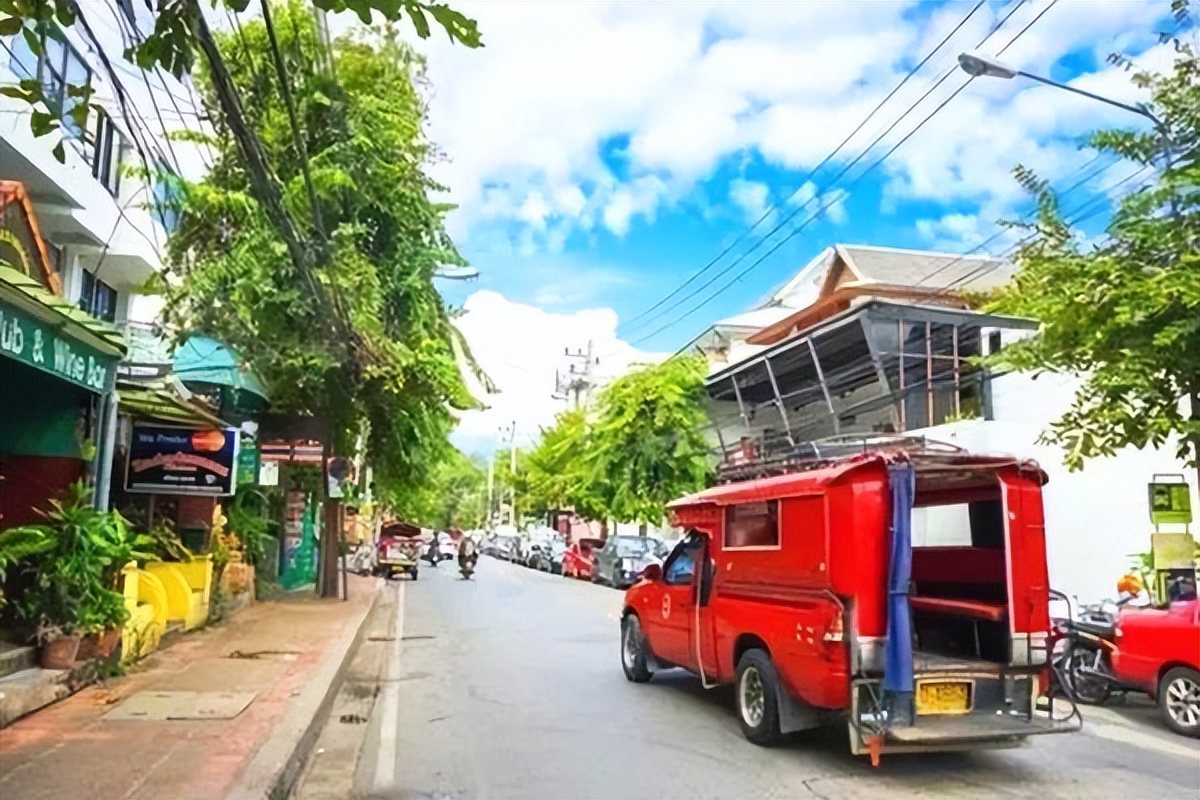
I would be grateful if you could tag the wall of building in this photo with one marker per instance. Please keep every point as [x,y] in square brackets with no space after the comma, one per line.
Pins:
[1095,518]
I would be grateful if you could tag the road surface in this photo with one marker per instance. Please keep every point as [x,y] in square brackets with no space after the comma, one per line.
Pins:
[509,686]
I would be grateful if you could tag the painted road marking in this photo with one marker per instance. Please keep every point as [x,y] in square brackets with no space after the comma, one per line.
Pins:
[389,715]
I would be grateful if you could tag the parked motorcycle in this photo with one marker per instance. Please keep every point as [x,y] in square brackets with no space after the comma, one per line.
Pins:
[363,559]
[1083,648]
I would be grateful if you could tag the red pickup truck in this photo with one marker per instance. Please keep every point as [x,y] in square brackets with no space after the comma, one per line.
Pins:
[1158,651]
[804,590]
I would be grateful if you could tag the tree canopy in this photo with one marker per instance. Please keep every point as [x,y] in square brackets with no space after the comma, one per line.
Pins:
[383,361]
[1123,313]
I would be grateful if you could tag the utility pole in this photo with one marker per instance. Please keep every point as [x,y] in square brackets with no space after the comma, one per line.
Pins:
[491,488]
[577,383]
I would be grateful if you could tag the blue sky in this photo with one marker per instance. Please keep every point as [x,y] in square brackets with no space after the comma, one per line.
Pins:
[600,153]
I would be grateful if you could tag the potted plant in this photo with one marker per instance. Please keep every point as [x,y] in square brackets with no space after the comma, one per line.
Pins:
[74,592]
[57,648]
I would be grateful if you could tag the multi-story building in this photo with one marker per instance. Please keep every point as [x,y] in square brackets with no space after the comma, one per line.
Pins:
[873,342]
[104,210]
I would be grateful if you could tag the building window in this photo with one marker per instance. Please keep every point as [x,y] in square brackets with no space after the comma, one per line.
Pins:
[752,525]
[55,254]
[129,11]
[105,150]
[58,67]
[98,298]
[167,197]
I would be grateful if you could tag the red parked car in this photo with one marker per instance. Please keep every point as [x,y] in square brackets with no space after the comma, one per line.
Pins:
[804,590]
[580,561]
[1158,651]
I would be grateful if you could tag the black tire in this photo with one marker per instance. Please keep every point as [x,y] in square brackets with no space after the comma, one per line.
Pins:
[634,660]
[758,716]
[1087,690]
[1179,701]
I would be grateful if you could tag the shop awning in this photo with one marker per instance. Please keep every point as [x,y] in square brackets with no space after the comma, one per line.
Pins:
[204,360]
[159,401]
[45,331]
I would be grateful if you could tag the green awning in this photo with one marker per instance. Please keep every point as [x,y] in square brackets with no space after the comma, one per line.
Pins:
[159,402]
[204,360]
[47,332]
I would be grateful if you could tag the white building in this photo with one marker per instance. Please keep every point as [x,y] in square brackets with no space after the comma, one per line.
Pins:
[103,221]
[878,340]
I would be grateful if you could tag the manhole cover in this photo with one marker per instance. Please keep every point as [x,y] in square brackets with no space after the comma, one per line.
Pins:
[160,706]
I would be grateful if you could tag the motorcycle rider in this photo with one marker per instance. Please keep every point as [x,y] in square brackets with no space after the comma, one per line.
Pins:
[467,555]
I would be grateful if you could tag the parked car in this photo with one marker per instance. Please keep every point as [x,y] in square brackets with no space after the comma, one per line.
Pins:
[579,560]
[558,549]
[1158,652]
[803,589]
[622,558]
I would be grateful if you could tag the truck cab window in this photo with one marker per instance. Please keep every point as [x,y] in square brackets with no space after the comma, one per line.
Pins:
[681,565]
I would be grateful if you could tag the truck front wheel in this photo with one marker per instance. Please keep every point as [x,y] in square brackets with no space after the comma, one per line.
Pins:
[756,689]
[633,650]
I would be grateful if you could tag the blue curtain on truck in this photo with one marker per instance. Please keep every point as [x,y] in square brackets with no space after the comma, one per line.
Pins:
[898,650]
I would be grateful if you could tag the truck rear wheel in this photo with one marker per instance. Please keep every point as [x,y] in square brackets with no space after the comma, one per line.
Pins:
[633,650]
[756,692]
[1179,700]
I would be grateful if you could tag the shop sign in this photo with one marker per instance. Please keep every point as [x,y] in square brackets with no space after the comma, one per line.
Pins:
[170,460]
[40,346]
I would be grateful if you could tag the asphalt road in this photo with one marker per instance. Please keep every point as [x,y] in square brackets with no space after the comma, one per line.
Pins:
[509,686]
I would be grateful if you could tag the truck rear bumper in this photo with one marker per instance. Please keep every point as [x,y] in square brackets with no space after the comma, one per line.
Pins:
[969,732]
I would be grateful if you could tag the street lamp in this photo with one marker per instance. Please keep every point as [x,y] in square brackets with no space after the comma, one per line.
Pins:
[978,65]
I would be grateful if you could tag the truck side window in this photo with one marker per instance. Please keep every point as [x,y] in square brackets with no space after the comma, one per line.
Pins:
[752,525]
[681,565]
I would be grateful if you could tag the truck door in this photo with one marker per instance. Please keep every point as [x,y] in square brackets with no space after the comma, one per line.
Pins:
[676,616]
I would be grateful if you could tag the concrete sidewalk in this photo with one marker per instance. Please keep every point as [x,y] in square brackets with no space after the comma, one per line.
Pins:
[286,656]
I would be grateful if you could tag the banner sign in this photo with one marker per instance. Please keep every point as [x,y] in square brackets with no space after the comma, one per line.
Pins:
[247,462]
[44,347]
[1170,503]
[171,460]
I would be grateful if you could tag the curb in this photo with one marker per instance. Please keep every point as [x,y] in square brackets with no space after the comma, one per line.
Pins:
[274,770]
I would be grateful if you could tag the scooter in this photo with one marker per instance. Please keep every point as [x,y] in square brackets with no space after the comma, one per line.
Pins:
[468,557]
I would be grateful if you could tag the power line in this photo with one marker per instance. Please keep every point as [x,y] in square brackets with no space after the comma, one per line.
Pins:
[771,208]
[829,186]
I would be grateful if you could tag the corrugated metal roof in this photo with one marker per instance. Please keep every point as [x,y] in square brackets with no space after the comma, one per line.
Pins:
[82,324]
[927,270]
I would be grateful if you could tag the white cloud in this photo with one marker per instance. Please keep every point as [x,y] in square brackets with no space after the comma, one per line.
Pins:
[525,121]
[750,197]
[522,362]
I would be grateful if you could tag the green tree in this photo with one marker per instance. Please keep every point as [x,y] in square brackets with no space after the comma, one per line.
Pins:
[1124,313]
[647,445]
[557,472]
[383,362]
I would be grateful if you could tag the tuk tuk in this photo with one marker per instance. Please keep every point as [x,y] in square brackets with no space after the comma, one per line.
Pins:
[398,550]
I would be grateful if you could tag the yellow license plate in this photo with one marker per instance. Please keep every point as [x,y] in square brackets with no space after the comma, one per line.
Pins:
[944,697]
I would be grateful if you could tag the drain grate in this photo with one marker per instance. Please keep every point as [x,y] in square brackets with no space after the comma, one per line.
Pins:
[352,719]
[283,655]
[416,637]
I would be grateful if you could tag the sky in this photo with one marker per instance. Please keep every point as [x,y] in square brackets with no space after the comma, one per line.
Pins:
[600,154]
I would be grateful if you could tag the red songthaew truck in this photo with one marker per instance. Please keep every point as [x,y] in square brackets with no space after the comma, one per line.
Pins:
[800,585]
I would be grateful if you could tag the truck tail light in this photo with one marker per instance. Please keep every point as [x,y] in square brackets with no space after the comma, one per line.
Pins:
[835,630]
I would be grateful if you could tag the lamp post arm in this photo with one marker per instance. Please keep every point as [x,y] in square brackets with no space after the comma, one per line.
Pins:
[1135,109]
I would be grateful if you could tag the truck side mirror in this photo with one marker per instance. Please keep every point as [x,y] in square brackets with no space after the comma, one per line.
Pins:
[652,573]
